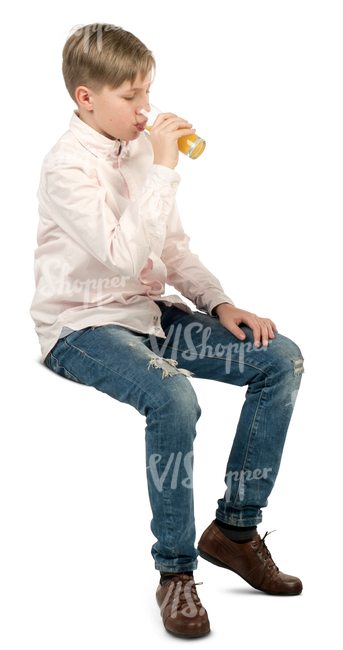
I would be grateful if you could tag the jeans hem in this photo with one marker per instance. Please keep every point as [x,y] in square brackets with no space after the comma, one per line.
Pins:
[240,523]
[177,568]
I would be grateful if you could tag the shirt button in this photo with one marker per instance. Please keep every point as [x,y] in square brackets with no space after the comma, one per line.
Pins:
[174,185]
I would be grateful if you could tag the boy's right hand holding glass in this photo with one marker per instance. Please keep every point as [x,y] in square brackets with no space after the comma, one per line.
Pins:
[164,134]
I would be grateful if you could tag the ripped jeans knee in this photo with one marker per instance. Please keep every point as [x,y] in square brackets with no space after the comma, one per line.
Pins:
[168,366]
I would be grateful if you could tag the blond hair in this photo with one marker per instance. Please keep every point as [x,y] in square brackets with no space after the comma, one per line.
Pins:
[101,55]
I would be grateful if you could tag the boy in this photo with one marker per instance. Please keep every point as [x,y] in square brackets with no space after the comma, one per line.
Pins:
[109,238]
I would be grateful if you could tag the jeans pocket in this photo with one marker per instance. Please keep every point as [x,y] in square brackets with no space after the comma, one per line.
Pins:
[79,334]
[52,362]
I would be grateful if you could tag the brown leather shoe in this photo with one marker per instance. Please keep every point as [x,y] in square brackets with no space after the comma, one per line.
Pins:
[181,610]
[252,561]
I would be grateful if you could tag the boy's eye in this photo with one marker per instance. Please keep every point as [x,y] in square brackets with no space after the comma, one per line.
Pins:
[129,98]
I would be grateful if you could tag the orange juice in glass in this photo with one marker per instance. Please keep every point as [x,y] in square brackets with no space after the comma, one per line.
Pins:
[191,145]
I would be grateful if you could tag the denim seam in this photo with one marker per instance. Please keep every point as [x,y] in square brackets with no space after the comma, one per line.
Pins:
[166,501]
[64,368]
[250,437]
[113,371]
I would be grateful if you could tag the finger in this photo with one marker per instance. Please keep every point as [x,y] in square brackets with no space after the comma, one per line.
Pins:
[162,117]
[271,324]
[181,132]
[173,124]
[252,322]
[271,327]
[264,333]
[236,331]
[256,329]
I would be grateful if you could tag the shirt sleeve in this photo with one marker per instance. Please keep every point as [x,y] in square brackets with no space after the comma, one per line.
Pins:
[186,272]
[77,204]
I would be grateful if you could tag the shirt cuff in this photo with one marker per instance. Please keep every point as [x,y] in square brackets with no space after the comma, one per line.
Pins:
[163,179]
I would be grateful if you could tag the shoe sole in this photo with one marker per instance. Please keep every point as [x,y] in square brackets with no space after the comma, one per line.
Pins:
[189,636]
[214,560]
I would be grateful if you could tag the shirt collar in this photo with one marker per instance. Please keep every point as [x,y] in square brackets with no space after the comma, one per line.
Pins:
[95,142]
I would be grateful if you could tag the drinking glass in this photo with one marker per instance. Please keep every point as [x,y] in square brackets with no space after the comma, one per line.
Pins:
[191,145]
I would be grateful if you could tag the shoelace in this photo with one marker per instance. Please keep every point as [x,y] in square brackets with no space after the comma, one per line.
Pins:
[185,593]
[262,548]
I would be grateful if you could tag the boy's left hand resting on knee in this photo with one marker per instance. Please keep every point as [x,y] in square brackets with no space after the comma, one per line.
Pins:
[230,317]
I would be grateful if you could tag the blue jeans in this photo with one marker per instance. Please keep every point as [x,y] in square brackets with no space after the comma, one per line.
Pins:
[129,367]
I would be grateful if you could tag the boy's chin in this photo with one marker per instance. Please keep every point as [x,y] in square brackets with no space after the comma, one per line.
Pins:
[133,137]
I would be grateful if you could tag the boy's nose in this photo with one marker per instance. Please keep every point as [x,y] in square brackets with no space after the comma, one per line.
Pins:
[146,107]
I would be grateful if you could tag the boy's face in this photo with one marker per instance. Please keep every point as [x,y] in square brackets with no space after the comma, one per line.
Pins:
[115,113]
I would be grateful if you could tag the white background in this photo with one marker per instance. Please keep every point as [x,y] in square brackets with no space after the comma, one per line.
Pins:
[262,83]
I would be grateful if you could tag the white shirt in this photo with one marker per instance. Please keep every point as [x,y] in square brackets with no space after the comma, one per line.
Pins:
[109,238]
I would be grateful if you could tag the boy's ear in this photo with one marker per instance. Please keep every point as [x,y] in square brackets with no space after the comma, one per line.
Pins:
[84,98]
